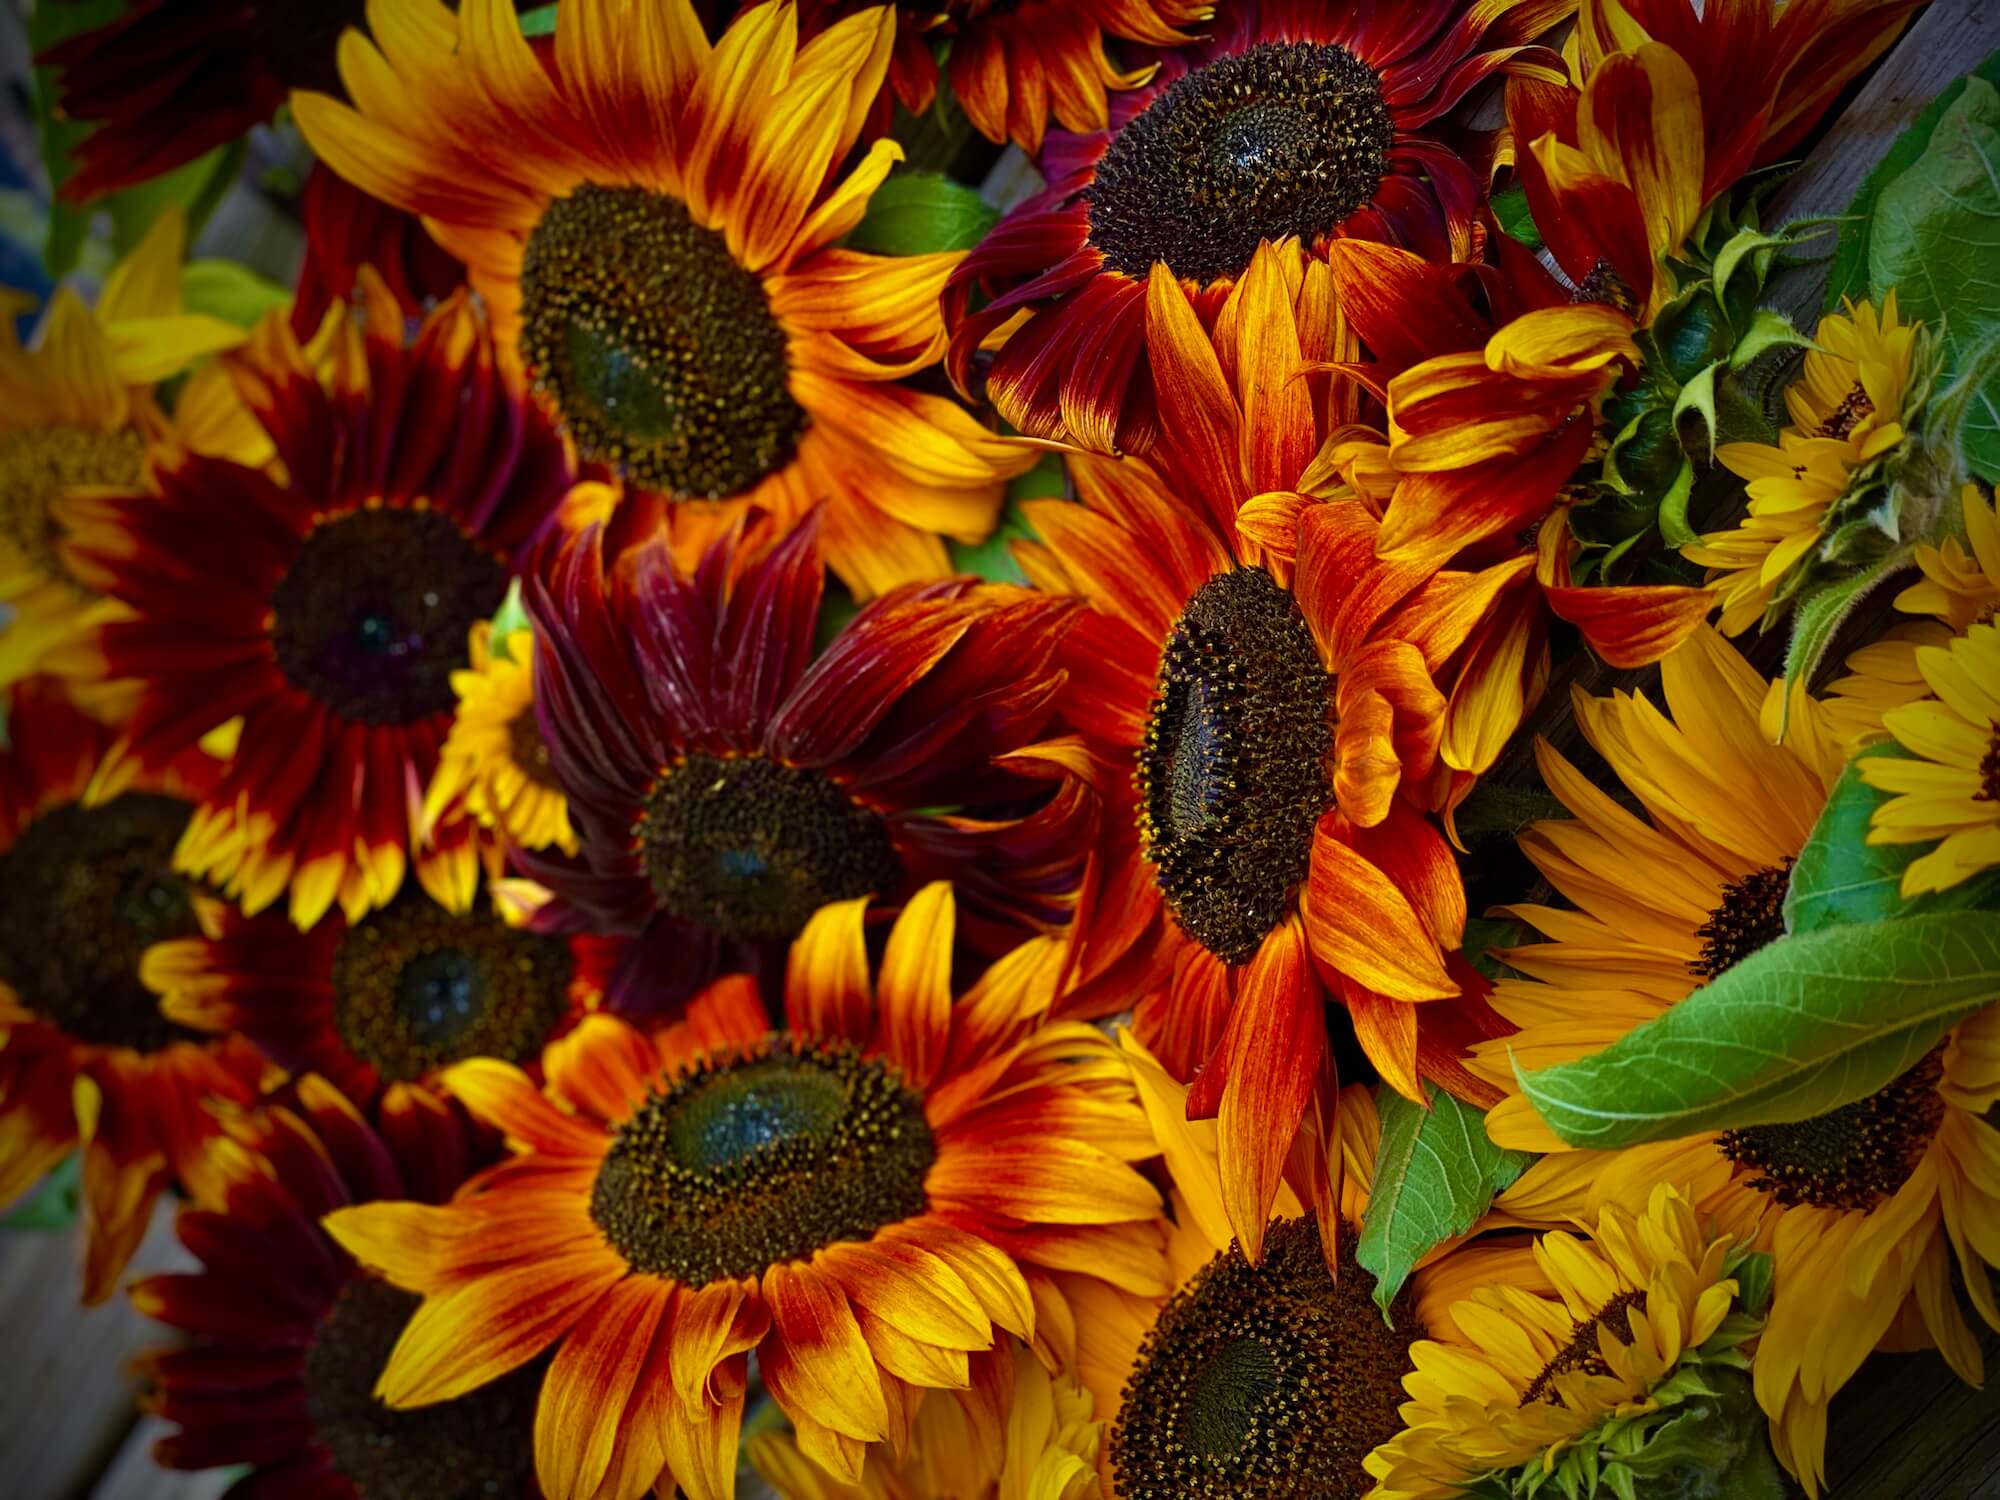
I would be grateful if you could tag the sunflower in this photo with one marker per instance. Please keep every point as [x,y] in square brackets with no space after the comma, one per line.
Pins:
[325,604]
[1668,106]
[78,411]
[285,1334]
[726,781]
[1846,409]
[673,286]
[1950,791]
[1266,684]
[494,764]
[1254,1378]
[345,230]
[1013,65]
[1047,1450]
[1862,1207]
[1637,1322]
[86,1058]
[863,1199]
[1290,121]
[379,1006]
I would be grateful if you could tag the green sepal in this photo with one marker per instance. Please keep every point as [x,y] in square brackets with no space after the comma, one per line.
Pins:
[1675,528]
[511,617]
[1698,397]
[1769,329]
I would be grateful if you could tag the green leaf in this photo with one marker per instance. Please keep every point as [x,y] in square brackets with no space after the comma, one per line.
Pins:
[1435,1174]
[1840,878]
[993,559]
[235,293]
[1800,1027]
[1516,222]
[48,24]
[916,212]
[1849,277]
[1698,396]
[511,617]
[53,1204]
[1819,616]
[541,21]
[1936,239]
[1676,530]
[1769,329]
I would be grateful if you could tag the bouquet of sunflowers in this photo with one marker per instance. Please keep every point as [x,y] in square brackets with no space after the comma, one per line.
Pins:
[1004,749]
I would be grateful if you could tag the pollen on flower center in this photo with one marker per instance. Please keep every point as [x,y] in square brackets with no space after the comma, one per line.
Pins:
[1584,1353]
[1232,774]
[1854,1157]
[1265,1381]
[1750,915]
[1288,138]
[37,464]
[371,618]
[416,987]
[1855,408]
[763,1156]
[657,347]
[474,1447]
[88,891]
[751,849]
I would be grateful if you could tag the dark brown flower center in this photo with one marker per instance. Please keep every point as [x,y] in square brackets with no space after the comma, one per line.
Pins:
[1288,138]
[1853,1158]
[1583,1353]
[1232,776]
[751,849]
[528,750]
[38,464]
[416,988]
[1989,772]
[660,351]
[478,1447]
[763,1156]
[1750,914]
[372,616]
[1269,1381]
[1854,408]
[86,892]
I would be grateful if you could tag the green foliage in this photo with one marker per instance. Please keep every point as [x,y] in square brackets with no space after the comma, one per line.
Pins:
[52,1205]
[1935,239]
[993,559]
[917,212]
[1511,209]
[1801,1027]
[234,293]
[1435,1174]
[541,21]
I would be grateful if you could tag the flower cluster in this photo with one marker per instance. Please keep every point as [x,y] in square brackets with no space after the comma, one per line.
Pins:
[730,823]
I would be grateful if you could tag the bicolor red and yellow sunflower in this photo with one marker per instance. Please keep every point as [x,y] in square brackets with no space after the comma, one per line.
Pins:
[284,1334]
[1289,121]
[726,779]
[1667,106]
[1262,693]
[78,411]
[380,1006]
[324,602]
[87,1062]
[1015,63]
[867,1199]
[652,221]
[1866,1209]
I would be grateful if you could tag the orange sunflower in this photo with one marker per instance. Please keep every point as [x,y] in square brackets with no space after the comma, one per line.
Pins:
[86,1058]
[325,603]
[1013,63]
[1269,687]
[652,222]
[863,1199]
[1290,120]
[284,1334]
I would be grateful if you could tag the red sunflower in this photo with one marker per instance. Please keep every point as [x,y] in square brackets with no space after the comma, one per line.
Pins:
[1276,694]
[325,605]
[285,1334]
[346,230]
[1014,63]
[726,780]
[86,1058]
[379,1006]
[1292,120]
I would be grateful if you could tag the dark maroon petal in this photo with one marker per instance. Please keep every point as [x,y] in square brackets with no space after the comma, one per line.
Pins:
[765,639]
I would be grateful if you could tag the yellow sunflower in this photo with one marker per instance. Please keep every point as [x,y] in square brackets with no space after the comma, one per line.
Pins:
[1046,1451]
[77,411]
[1950,791]
[1846,411]
[494,764]
[654,223]
[1635,1323]
[1862,1208]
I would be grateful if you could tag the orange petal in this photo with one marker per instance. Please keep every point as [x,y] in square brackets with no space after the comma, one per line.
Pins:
[603,1067]
[586,1393]
[910,1289]
[914,988]
[817,1363]
[1361,926]
[1387,1032]
[712,1325]
[501,1095]
[826,977]
[701,1442]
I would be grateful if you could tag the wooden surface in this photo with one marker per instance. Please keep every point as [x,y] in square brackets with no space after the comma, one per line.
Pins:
[1904,1429]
